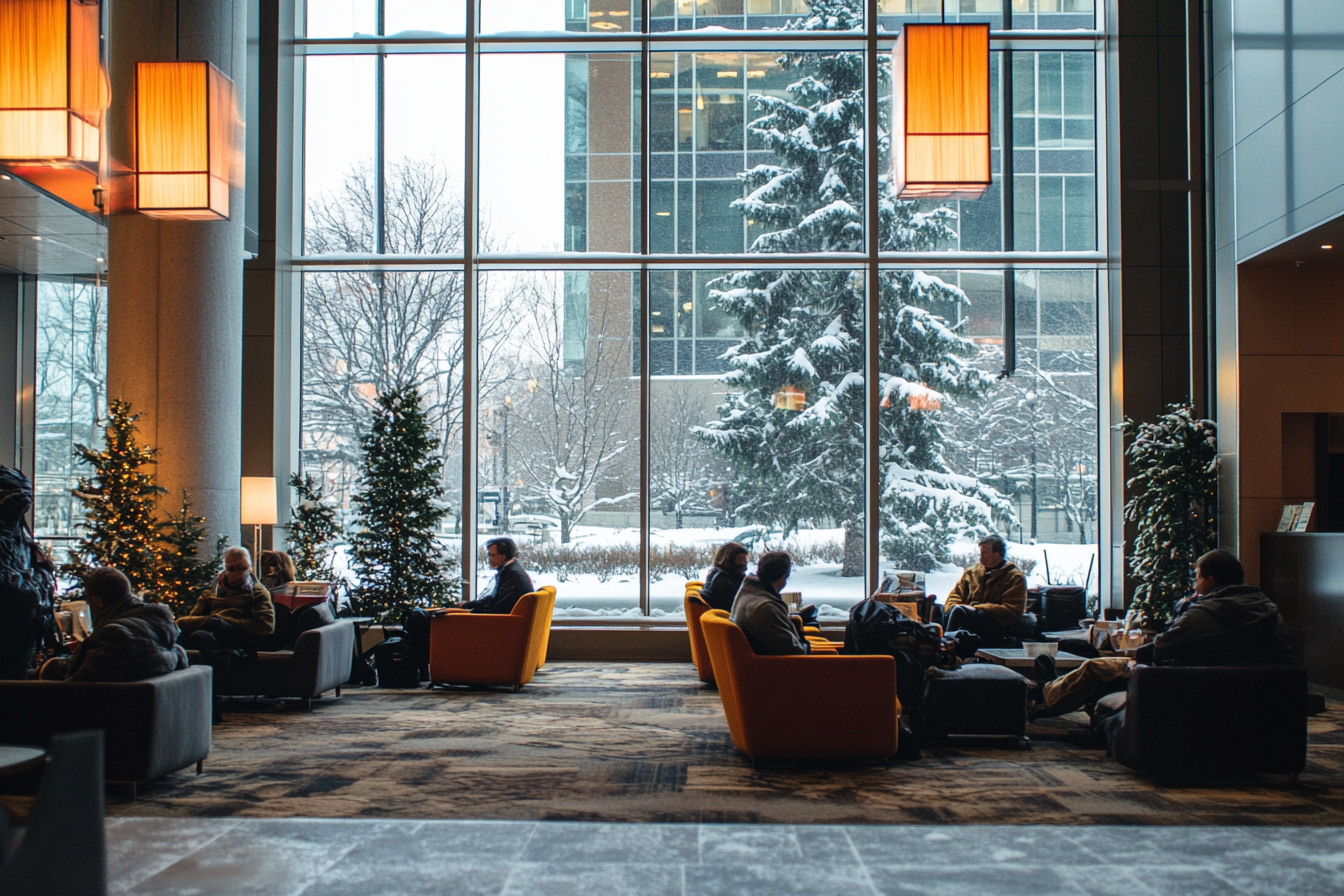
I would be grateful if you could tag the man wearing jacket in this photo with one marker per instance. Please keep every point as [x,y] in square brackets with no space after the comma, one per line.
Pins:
[511,580]
[131,640]
[232,614]
[762,614]
[1226,623]
[987,600]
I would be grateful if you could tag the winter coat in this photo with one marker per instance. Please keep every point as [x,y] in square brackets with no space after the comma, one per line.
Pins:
[1000,593]
[511,583]
[130,641]
[721,587]
[764,618]
[249,607]
[1236,625]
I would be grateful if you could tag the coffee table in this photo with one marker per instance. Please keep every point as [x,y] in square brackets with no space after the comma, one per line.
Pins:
[1017,659]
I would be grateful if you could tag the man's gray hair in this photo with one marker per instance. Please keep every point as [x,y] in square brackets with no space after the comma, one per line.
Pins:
[238,551]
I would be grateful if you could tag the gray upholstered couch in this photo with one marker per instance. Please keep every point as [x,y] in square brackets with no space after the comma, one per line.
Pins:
[153,727]
[319,662]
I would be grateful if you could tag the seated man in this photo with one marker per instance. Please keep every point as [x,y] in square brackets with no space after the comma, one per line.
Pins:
[1225,623]
[762,614]
[131,640]
[234,613]
[987,601]
[511,580]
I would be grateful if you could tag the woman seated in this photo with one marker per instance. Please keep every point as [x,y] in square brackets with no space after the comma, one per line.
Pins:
[277,569]
[725,576]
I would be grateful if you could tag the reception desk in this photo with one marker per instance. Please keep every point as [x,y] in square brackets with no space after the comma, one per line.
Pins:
[1304,574]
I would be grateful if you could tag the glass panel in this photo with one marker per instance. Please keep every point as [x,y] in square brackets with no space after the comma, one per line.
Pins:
[894,13]
[1016,455]
[446,16]
[1052,14]
[571,180]
[341,18]
[766,452]
[1054,151]
[969,225]
[71,399]
[365,333]
[715,141]
[423,152]
[597,16]
[338,154]
[559,425]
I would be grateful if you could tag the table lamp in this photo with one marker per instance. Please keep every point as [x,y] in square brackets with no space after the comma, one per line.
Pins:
[259,507]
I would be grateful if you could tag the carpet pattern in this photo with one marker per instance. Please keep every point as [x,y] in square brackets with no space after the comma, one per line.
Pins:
[648,742]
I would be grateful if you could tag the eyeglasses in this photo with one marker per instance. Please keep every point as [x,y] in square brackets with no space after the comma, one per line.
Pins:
[244,568]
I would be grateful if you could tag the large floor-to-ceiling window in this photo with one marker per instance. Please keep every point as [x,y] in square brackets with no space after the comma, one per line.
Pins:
[645,265]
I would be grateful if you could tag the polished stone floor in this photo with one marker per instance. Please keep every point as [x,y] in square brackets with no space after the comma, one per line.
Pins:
[275,857]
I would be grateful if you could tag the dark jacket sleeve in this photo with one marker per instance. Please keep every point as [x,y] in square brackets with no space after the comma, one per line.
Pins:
[512,582]
[720,589]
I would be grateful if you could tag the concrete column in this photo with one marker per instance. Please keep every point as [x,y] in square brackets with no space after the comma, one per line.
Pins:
[175,287]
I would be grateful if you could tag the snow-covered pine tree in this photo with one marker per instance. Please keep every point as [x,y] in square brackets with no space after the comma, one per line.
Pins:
[182,575]
[119,525]
[313,531]
[399,506]
[805,465]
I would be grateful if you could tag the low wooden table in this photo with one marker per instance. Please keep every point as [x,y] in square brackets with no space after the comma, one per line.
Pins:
[1017,659]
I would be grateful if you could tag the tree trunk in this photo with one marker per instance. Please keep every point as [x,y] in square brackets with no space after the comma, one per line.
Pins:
[852,564]
[564,529]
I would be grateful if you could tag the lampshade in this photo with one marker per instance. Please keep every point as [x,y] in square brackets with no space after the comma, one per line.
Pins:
[941,115]
[183,140]
[52,88]
[259,501]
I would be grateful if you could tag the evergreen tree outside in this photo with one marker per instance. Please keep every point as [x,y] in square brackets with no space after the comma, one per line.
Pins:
[793,423]
[119,525]
[313,531]
[399,505]
[182,575]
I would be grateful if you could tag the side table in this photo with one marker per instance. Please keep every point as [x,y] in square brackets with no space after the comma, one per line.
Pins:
[1017,659]
[361,625]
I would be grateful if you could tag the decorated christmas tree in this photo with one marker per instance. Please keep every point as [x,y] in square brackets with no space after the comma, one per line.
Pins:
[120,528]
[793,424]
[182,574]
[399,506]
[313,531]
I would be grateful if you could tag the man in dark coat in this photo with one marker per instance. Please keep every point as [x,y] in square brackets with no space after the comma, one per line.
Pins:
[725,576]
[27,581]
[131,640]
[1225,623]
[761,613]
[511,580]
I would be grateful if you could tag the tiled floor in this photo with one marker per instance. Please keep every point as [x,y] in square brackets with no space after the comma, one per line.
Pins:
[275,857]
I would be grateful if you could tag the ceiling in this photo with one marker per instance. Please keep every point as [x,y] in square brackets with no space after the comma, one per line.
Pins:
[1306,248]
[70,241]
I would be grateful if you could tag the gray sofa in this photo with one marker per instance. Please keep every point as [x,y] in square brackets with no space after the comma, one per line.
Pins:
[319,662]
[152,727]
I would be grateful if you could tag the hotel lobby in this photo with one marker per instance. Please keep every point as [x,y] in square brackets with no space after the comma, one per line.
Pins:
[621,282]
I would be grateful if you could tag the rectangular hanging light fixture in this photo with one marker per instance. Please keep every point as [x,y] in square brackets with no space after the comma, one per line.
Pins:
[183,140]
[941,114]
[52,87]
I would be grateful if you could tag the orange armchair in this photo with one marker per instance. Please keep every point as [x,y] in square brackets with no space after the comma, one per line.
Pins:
[489,648]
[852,711]
[543,626]
[696,608]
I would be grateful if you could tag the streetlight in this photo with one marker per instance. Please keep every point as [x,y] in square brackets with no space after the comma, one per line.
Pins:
[504,485]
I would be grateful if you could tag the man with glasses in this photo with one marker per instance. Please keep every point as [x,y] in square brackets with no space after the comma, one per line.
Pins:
[235,613]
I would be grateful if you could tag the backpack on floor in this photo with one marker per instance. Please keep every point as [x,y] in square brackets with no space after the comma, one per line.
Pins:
[394,661]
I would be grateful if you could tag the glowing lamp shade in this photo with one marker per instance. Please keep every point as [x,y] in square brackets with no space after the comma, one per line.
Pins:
[52,88]
[183,140]
[259,507]
[941,115]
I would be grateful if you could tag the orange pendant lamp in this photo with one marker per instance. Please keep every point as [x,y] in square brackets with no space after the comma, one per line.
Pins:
[183,140]
[941,120]
[52,88]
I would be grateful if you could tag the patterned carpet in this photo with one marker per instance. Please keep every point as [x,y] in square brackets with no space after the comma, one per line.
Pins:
[648,742]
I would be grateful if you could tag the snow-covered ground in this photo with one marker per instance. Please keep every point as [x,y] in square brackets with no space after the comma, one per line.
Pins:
[583,596]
